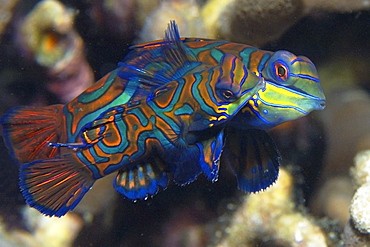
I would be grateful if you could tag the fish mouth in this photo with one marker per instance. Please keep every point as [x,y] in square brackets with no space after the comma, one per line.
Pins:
[312,104]
[320,104]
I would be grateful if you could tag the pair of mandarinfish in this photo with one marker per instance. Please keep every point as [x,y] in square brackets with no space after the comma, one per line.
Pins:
[174,107]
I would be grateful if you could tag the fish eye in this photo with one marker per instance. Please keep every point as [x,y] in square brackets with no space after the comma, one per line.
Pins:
[281,71]
[227,94]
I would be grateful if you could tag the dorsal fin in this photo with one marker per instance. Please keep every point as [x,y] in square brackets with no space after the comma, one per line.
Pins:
[153,68]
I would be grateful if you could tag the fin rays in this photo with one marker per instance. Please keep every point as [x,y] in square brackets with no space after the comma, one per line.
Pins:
[54,186]
[27,130]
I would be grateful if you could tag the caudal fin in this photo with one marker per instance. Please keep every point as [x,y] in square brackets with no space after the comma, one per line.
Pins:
[27,131]
[55,186]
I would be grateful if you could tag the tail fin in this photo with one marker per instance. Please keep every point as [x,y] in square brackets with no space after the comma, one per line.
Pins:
[27,130]
[55,186]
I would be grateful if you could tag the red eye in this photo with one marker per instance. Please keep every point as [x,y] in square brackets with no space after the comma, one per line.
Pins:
[281,71]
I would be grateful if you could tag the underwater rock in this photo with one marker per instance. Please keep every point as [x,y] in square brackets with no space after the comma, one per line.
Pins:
[251,22]
[6,13]
[48,37]
[337,5]
[272,216]
[115,18]
[333,199]
[42,231]
[333,196]
[360,209]
[360,172]
[342,114]
[353,238]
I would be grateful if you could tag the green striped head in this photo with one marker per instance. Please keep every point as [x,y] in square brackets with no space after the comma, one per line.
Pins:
[292,91]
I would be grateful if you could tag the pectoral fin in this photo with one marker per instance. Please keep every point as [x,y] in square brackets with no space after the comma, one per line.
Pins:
[254,158]
[211,150]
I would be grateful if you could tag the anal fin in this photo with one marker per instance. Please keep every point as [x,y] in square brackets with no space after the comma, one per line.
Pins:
[143,180]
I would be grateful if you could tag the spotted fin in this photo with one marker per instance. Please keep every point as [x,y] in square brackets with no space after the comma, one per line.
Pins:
[211,150]
[143,180]
[28,130]
[55,186]
[253,156]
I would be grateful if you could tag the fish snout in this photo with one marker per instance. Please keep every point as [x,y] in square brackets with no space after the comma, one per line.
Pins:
[320,104]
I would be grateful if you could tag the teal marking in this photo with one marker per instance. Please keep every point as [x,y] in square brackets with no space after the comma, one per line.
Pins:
[245,54]
[120,100]
[184,110]
[90,97]
[122,146]
[196,51]
[98,159]
[195,92]
[140,115]
[217,54]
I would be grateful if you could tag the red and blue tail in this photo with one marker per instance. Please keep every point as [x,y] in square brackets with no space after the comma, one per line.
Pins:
[28,130]
[55,186]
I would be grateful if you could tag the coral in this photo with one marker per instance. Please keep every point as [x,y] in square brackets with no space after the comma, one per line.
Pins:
[47,35]
[186,13]
[360,172]
[6,12]
[360,210]
[246,21]
[353,238]
[271,215]
[42,231]
[337,5]
[251,22]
